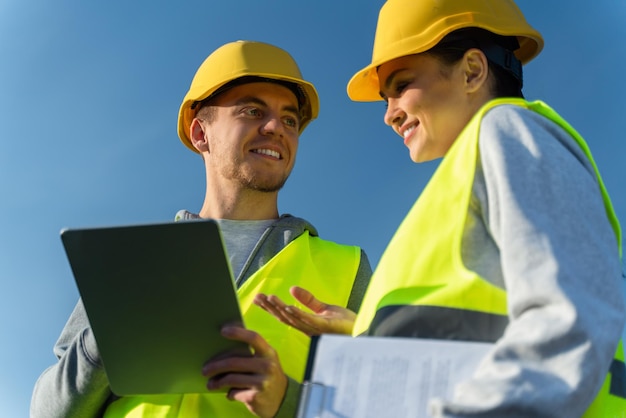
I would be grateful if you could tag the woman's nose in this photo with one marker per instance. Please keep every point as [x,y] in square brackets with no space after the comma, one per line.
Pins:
[393,115]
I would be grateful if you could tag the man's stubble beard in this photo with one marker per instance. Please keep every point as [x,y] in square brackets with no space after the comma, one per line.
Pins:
[251,182]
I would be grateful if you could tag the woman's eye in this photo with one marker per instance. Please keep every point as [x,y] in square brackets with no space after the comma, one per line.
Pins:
[400,86]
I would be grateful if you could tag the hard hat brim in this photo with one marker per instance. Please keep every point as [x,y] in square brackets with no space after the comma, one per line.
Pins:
[364,85]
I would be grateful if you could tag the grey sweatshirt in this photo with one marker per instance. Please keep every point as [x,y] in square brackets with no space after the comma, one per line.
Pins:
[537,227]
[76,386]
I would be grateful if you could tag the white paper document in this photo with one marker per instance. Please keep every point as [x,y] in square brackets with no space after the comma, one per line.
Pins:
[373,377]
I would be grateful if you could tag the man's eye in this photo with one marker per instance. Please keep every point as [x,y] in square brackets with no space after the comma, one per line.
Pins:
[291,122]
[253,111]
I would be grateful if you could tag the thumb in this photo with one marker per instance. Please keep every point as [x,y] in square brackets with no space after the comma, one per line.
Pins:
[307,299]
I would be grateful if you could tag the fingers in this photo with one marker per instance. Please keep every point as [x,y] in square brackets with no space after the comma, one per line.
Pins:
[299,319]
[236,372]
[236,360]
[241,370]
[251,338]
[288,315]
[307,299]
[274,306]
[310,323]
[262,398]
[258,381]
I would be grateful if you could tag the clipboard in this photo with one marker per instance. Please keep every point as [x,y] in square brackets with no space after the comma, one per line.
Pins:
[156,296]
[352,377]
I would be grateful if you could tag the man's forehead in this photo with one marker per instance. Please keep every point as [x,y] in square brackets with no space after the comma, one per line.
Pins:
[259,91]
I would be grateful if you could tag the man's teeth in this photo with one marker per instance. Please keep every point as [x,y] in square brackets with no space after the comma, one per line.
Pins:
[267,152]
[408,131]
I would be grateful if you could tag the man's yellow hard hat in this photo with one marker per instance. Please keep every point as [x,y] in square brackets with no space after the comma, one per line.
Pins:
[242,59]
[407,27]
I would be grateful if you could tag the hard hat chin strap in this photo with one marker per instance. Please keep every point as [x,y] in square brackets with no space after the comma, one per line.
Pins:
[498,49]
[505,59]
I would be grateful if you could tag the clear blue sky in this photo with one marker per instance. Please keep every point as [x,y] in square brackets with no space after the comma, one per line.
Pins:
[89,95]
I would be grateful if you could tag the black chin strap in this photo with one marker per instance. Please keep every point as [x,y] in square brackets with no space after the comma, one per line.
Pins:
[498,49]
[504,58]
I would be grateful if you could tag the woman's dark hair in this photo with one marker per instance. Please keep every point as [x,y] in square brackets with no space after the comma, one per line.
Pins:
[505,67]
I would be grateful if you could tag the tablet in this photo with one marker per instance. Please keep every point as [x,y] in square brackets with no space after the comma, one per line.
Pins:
[156,296]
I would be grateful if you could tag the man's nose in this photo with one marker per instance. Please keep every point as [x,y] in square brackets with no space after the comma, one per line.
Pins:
[272,125]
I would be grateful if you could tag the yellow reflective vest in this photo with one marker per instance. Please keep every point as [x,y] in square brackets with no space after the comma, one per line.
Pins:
[422,270]
[325,268]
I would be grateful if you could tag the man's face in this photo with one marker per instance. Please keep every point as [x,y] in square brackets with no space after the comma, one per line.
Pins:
[252,138]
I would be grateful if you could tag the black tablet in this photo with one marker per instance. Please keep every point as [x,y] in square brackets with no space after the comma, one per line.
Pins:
[156,297]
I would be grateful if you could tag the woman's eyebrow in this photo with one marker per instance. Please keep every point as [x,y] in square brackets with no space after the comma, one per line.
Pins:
[391,77]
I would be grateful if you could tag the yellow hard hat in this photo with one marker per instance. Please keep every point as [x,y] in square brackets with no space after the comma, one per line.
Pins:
[242,59]
[407,27]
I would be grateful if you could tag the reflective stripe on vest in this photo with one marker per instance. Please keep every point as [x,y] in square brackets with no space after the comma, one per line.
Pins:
[422,273]
[325,268]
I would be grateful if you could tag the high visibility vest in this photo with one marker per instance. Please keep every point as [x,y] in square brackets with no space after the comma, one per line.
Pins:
[325,268]
[421,288]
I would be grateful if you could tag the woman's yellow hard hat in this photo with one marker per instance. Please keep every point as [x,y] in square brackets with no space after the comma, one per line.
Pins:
[242,59]
[407,27]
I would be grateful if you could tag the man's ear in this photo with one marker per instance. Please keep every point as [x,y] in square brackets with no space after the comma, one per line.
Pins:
[476,70]
[198,137]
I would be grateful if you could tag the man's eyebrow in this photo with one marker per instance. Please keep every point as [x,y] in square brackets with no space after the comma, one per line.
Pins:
[259,102]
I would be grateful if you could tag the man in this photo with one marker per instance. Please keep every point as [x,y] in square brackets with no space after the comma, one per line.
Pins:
[244,112]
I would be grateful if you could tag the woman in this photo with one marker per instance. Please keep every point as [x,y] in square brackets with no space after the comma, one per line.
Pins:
[513,241]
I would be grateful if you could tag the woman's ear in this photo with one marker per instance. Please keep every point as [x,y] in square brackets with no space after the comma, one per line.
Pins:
[198,136]
[476,68]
